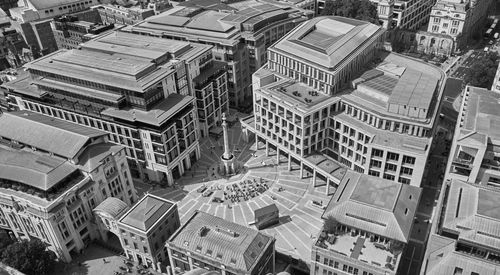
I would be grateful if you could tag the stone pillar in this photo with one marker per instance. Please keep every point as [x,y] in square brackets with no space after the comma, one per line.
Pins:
[314,177]
[277,155]
[301,170]
[289,162]
[267,149]
[327,186]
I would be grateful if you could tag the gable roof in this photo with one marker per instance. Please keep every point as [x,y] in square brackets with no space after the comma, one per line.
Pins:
[230,244]
[112,206]
[92,155]
[146,212]
[49,134]
[376,205]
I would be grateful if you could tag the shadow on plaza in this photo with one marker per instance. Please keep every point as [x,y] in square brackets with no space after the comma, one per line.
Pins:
[282,220]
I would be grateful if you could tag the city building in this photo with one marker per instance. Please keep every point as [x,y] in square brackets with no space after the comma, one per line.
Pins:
[466,238]
[373,218]
[459,19]
[310,107]
[473,156]
[495,87]
[212,243]
[131,14]
[136,88]
[142,229]
[465,232]
[70,32]
[33,20]
[53,173]
[411,15]
[240,33]
[404,14]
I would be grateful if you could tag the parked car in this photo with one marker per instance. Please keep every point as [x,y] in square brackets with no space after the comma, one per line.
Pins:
[201,189]
[207,193]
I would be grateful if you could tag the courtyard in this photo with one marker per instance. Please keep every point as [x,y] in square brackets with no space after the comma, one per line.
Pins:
[262,181]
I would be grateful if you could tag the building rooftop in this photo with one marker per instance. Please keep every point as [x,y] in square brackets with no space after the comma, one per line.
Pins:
[47,4]
[49,134]
[443,259]
[233,245]
[93,155]
[473,212]
[112,206]
[297,94]
[158,114]
[398,83]
[36,170]
[328,41]
[375,205]
[481,113]
[123,60]
[146,212]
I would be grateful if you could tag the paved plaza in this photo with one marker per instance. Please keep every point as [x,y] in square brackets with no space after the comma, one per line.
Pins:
[300,221]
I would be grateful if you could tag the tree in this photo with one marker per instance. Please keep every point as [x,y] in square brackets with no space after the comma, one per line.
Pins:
[30,257]
[330,225]
[357,9]
[482,72]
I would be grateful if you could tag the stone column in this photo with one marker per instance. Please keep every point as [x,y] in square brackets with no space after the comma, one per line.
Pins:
[267,149]
[289,162]
[277,155]
[314,177]
[327,186]
[301,170]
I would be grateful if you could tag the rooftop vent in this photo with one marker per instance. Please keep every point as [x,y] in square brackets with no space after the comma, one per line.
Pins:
[227,232]
[203,231]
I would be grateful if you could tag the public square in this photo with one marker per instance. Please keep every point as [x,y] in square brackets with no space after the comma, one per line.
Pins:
[300,220]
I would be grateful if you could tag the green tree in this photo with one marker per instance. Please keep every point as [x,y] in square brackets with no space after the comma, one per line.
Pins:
[30,257]
[330,224]
[357,9]
[482,72]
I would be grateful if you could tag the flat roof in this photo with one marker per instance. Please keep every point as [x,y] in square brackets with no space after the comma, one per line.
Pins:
[482,114]
[328,41]
[146,212]
[230,244]
[472,212]
[50,134]
[119,59]
[400,81]
[36,170]
[376,205]
[158,114]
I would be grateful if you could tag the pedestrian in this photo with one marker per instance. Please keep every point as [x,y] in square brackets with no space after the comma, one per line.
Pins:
[104,260]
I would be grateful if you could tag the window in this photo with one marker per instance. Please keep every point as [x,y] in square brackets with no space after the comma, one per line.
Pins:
[377,153]
[145,249]
[408,160]
[392,156]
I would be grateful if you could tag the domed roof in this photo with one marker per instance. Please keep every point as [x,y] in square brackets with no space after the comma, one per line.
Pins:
[112,206]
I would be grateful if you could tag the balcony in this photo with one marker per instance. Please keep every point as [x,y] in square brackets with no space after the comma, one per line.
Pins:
[209,73]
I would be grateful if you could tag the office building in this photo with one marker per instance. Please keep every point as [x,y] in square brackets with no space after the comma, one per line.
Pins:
[33,20]
[132,13]
[142,229]
[53,173]
[70,32]
[136,88]
[310,108]
[459,19]
[212,243]
[465,229]
[473,156]
[239,32]
[404,14]
[373,218]
[465,238]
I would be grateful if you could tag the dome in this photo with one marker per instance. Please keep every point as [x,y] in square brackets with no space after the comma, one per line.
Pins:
[112,206]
